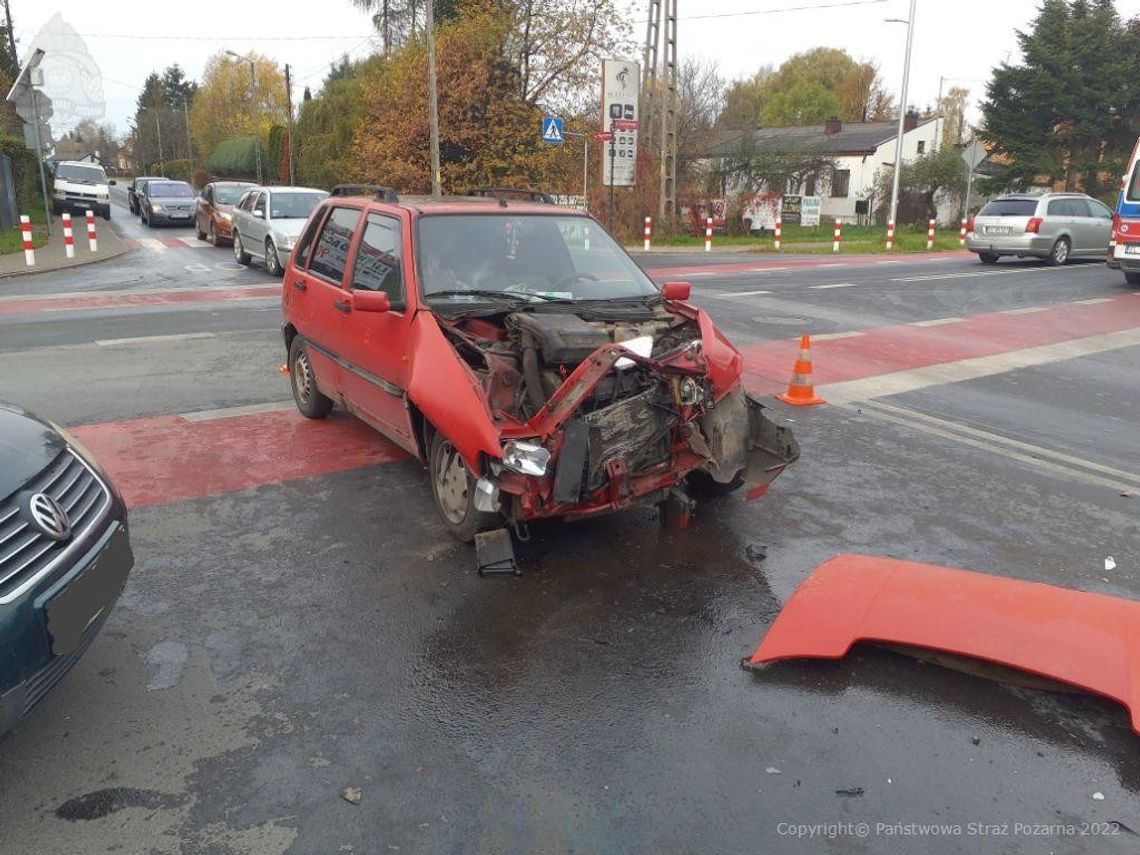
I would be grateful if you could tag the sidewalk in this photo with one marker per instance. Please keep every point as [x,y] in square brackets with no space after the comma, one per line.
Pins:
[51,256]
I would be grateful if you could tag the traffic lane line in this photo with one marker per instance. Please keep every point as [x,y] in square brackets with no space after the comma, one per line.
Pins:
[164,459]
[905,347]
[59,303]
[797,263]
[151,339]
[937,322]
[834,285]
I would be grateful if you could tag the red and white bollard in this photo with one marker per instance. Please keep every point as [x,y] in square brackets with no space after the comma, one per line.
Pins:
[648,232]
[29,247]
[838,235]
[776,242]
[68,237]
[586,238]
[92,243]
[962,233]
[708,234]
[890,235]
[930,235]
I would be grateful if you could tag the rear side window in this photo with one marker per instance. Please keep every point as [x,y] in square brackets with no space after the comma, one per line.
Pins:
[1097,209]
[1009,208]
[1134,184]
[259,205]
[330,254]
[377,265]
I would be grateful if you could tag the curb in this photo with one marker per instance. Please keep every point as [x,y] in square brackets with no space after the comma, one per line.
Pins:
[76,262]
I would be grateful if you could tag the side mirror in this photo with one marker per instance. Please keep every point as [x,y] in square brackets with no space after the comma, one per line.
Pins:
[112,183]
[676,290]
[371,301]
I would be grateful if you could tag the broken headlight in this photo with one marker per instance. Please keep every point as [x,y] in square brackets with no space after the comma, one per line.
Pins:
[525,457]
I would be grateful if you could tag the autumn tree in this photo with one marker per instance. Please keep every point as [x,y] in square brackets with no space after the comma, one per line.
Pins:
[952,111]
[922,182]
[231,102]
[488,132]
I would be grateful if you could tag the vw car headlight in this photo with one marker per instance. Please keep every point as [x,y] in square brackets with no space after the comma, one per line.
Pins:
[525,457]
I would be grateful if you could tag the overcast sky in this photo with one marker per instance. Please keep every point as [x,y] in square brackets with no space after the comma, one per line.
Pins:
[960,40]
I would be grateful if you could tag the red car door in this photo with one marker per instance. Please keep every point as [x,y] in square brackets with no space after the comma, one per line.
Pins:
[375,343]
[318,291]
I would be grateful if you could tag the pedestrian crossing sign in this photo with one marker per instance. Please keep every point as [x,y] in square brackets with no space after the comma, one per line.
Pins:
[552,130]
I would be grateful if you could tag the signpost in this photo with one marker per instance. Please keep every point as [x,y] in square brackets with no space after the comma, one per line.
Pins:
[554,134]
[973,154]
[810,207]
[620,83]
[552,130]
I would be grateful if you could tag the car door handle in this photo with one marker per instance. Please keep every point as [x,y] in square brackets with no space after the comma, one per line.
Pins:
[300,286]
[342,306]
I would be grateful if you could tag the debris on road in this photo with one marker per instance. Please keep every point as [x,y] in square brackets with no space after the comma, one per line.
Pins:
[772,770]
[1098,796]
[977,740]
[351,795]
[849,791]
[1110,563]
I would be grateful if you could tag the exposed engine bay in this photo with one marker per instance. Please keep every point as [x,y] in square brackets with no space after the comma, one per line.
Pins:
[618,422]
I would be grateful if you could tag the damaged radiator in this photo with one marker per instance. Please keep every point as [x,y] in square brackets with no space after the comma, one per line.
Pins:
[636,428]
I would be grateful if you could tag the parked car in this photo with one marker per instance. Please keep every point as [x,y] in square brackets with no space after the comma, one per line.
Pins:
[1125,253]
[522,355]
[1054,226]
[214,216]
[166,201]
[64,557]
[136,188]
[267,222]
[79,187]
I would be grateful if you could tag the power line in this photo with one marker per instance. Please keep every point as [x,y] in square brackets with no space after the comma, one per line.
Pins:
[778,11]
[215,38]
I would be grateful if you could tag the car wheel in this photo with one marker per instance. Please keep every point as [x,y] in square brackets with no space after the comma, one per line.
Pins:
[701,484]
[240,255]
[212,237]
[147,221]
[454,490]
[312,403]
[1059,254]
[272,261]
[988,257]
[1132,277]
[198,229]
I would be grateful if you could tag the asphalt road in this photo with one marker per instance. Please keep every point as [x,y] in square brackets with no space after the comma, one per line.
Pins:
[287,635]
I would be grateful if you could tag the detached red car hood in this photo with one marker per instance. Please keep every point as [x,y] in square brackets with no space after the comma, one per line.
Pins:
[1089,641]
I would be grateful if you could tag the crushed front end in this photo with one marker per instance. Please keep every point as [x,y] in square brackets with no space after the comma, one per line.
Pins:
[597,414]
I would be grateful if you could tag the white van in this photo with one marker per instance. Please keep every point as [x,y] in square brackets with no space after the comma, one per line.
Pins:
[79,186]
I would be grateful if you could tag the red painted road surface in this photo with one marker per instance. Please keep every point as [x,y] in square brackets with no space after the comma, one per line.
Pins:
[169,458]
[158,460]
[662,273]
[94,300]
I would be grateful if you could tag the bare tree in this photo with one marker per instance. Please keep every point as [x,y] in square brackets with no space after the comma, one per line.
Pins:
[700,100]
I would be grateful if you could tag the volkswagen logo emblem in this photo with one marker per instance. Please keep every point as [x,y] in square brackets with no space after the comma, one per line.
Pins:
[49,517]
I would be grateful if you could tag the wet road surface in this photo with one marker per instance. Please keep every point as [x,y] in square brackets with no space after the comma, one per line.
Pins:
[287,633]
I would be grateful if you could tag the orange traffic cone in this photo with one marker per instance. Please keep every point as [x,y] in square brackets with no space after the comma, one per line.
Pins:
[801,392]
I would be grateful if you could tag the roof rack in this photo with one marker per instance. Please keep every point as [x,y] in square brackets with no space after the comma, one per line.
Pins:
[380,194]
[517,194]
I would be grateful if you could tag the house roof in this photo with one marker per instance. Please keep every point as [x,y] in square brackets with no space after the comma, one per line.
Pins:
[852,138]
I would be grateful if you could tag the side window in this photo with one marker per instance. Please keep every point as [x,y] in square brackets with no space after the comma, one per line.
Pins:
[377,264]
[1058,208]
[259,205]
[247,201]
[304,246]
[840,183]
[330,254]
[922,146]
[1096,209]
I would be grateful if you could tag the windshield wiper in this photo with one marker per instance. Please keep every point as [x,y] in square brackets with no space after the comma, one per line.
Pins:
[512,296]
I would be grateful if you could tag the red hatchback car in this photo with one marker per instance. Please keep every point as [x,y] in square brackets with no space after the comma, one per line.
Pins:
[522,356]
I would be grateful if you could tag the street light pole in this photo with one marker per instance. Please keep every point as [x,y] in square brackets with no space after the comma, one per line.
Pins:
[902,115]
[433,104]
[256,112]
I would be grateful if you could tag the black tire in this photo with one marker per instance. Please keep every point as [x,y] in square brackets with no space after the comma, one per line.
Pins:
[147,221]
[107,214]
[56,209]
[702,485]
[443,465]
[272,261]
[212,236]
[240,255]
[1059,254]
[988,257]
[198,230]
[312,403]
[1132,277]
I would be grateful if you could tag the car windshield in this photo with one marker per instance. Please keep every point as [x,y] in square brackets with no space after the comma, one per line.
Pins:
[293,206]
[1134,184]
[1009,208]
[533,257]
[80,174]
[228,194]
[170,189]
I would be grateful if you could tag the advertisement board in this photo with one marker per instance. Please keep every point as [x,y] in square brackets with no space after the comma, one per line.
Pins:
[790,210]
[620,83]
[809,210]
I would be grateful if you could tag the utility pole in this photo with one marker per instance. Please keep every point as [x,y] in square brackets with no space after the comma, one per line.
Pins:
[158,129]
[11,35]
[649,72]
[189,141]
[253,107]
[433,103]
[667,199]
[289,124]
[902,114]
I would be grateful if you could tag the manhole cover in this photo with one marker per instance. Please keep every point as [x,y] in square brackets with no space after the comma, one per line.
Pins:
[781,320]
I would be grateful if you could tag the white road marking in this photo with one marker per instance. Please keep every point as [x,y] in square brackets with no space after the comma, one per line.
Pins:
[740,294]
[1028,310]
[153,244]
[1092,302]
[900,382]
[150,339]
[702,273]
[765,269]
[230,412]
[834,335]
[974,273]
[197,267]
[890,261]
[936,322]
[836,285]
[1013,449]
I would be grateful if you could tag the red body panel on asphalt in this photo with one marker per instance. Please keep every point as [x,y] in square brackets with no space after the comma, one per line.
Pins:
[1090,641]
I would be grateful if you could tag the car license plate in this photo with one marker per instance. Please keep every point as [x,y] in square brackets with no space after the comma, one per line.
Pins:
[70,612]
[180,216]
[997,230]
[1132,249]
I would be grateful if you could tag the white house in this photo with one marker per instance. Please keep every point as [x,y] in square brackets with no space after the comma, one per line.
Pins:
[859,150]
